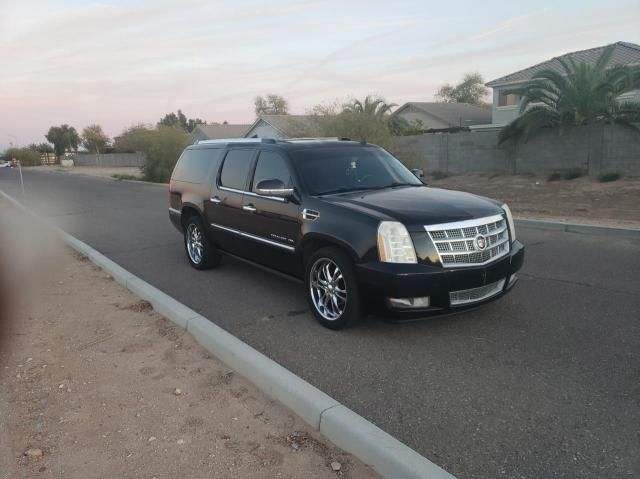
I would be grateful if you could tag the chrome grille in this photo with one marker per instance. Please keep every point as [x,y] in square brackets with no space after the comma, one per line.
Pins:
[473,295]
[456,242]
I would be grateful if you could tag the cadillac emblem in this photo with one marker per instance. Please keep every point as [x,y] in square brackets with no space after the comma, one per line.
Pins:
[480,242]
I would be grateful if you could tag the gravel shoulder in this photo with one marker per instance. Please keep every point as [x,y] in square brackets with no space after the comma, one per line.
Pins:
[96,384]
[581,200]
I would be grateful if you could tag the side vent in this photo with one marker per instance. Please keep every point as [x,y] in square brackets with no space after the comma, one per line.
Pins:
[310,215]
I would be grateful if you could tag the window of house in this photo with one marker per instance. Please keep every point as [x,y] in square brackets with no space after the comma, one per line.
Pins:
[236,168]
[508,99]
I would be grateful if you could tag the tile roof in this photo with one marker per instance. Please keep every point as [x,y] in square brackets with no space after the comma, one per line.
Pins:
[624,53]
[454,114]
[217,131]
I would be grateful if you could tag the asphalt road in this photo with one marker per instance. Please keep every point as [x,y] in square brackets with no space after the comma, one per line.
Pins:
[544,383]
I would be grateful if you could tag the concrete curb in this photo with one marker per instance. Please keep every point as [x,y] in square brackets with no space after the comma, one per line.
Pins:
[386,455]
[578,228]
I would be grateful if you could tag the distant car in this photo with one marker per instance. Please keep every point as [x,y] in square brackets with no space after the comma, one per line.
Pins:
[350,220]
[5,164]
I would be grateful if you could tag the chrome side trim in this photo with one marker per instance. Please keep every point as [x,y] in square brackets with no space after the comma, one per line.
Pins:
[464,224]
[254,237]
[251,193]
[175,211]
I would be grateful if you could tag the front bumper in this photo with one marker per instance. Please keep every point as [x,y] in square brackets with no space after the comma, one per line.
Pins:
[380,281]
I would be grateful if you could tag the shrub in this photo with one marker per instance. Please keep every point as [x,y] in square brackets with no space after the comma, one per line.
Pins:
[161,146]
[571,174]
[25,156]
[611,176]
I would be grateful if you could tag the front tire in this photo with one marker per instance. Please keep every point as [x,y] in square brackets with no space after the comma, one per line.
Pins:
[332,288]
[200,251]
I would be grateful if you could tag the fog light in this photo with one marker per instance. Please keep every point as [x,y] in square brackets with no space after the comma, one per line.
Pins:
[409,303]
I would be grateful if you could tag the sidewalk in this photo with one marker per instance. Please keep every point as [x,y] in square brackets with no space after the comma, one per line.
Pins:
[99,385]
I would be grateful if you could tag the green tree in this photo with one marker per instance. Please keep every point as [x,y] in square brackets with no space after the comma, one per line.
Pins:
[372,106]
[180,120]
[271,105]
[367,120]
[41,148]
[470,90]
[161,146]
[581,94]
[63,138]
[94,139]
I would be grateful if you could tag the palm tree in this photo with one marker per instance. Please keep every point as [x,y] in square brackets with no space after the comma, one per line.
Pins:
[583,94]
[371,105]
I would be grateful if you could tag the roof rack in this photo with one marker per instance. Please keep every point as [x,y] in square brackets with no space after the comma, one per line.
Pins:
[334,138]
[235,140]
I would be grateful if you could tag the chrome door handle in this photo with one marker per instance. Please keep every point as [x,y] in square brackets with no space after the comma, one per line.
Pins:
[216,200]
[250,208]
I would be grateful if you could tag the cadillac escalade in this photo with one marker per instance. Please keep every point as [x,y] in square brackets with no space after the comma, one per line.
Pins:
[350,220]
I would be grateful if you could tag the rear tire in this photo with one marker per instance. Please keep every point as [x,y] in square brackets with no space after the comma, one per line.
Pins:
[332,288]
[201,253]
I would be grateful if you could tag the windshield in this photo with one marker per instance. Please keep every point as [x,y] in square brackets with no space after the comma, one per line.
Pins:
[344,169]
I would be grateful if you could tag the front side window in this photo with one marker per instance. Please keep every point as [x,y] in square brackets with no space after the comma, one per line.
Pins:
[342,169]
[271,166]
[508,99]
[235,169]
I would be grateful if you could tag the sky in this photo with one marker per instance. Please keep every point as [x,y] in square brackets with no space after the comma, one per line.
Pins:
[124,62]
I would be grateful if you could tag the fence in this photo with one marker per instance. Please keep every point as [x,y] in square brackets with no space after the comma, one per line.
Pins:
[593,149]
[109,159]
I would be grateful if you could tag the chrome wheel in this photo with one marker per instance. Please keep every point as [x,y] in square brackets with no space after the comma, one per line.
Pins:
[195,246]
[328,289]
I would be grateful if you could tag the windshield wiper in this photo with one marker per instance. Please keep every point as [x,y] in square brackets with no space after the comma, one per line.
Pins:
[349,190]
[402,184]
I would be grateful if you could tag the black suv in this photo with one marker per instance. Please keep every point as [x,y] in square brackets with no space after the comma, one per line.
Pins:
[361,230]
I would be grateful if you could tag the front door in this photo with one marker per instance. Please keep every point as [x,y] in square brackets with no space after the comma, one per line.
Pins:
[274,222]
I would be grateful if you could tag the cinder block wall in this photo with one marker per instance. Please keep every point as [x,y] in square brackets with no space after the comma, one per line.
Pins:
[109,159]
[595,149]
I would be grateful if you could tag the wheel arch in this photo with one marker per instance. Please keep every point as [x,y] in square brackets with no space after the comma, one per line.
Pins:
[312,242]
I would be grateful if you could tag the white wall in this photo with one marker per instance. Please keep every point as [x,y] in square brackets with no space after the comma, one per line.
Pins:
[264,130]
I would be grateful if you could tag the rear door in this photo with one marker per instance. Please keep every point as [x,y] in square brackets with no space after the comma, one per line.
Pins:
[273,222]
[224,208]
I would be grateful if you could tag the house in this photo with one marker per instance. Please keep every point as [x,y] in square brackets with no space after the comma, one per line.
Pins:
[438,116]
[216,131]
[284,126]
[506,106]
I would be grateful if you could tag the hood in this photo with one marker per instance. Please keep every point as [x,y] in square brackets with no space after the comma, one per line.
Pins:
[418,206]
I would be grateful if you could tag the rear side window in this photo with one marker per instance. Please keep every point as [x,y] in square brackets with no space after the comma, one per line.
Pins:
[271,166]
[194,165]
[236,168]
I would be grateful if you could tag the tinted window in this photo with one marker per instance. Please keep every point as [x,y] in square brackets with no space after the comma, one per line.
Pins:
[271,166]
[194,165]
[235,169]
[332,170]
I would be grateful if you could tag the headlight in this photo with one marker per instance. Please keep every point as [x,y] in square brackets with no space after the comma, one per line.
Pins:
[512,228]
[394,243]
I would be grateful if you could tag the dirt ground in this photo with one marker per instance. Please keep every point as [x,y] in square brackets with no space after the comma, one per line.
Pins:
[96,384]
[93,170]
[581,200]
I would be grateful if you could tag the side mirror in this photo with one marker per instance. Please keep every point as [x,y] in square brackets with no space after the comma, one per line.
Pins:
[419,173]
[273,188]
